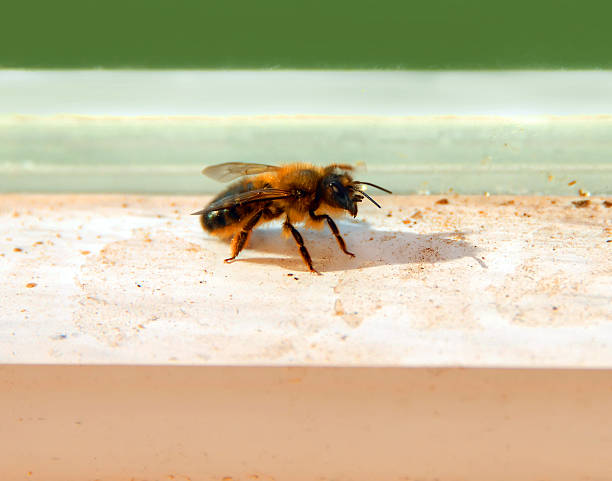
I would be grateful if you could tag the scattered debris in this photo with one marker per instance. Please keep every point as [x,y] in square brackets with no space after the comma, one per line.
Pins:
[581,203]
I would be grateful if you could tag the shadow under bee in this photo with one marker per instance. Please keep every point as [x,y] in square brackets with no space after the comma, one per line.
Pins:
[371,248]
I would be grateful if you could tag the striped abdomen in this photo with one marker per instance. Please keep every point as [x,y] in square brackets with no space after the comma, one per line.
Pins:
[219,220]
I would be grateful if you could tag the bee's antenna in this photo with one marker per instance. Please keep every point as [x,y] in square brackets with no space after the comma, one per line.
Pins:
[373,201]
[373,185]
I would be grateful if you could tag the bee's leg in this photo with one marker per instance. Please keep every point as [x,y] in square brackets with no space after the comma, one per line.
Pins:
[300,242]
[240,239]
[334,229]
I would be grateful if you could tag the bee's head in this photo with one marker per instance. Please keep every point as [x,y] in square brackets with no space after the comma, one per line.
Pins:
[337,191]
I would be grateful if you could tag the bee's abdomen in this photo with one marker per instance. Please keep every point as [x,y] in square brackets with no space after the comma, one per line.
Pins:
[218,219]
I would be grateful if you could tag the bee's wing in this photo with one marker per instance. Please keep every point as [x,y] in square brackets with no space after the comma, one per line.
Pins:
[233,170]
[256,195]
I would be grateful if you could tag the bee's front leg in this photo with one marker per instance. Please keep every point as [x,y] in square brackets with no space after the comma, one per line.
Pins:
[334,229]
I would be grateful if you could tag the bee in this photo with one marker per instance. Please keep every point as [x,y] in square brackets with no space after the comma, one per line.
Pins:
[298,192]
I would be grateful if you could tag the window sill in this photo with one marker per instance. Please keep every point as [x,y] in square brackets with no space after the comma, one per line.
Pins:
[480,281]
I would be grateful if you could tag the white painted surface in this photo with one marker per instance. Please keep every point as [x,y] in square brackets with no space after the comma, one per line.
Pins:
[246,92]
[497,281]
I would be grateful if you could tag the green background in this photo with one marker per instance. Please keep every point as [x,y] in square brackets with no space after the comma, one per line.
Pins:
[436,34]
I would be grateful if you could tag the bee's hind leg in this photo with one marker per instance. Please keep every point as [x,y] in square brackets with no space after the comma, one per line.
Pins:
[240,239]
[300,242]
[334,229]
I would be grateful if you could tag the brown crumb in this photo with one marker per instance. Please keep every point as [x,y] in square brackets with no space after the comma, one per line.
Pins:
[38,243]
[508,202]
[17,249]
[389,214]
[338,308]
[442,201]
[583,193]
[581,203]
[406,221]
[571,183]
[29,285]
[85,252]
[607,203]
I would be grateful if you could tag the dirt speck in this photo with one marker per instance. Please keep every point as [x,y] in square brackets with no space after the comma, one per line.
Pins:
[573,182]
[338,309]
[443,201]
[29,285]
[581,203]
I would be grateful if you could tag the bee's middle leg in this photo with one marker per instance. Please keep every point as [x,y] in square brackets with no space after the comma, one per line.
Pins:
[334,229]
[300,242]
[240,239]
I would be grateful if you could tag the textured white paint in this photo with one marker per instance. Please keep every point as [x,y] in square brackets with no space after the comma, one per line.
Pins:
[480,281]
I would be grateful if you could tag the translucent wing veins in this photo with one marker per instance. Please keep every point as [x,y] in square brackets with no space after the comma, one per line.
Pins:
[233,170]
